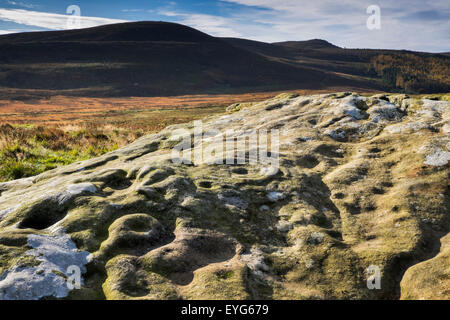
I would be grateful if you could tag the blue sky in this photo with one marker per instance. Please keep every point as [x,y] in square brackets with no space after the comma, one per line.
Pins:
[422,25]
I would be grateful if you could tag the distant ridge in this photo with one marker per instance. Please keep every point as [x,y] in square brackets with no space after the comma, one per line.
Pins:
[308,44]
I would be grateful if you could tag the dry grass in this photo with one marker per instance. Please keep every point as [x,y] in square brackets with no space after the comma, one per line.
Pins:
[27,150]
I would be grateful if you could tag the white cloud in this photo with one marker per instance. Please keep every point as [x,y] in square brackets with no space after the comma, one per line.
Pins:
[132,10]
[22,4]
[11,31]
[213,25]
[51,21]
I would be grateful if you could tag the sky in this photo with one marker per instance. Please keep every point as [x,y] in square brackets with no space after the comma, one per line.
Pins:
[420,25]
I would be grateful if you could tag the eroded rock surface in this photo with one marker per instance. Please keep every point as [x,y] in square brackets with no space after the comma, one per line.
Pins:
[361,181]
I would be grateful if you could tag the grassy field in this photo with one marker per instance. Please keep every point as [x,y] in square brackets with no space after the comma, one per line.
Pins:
[27,150]
[30,149]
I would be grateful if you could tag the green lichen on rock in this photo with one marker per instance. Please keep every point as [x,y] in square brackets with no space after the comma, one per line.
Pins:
[360,181]
[239,106]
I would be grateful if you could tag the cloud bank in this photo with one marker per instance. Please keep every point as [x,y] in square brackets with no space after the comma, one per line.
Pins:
[52,21]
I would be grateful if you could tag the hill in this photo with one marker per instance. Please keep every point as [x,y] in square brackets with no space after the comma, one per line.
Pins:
[330,205]
[163,59]
[413,72]
[129,32]
[309,44]
[148,58]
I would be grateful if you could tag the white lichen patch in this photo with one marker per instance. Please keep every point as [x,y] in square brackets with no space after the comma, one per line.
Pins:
[437,158]
[309,263]
[336,134]
[316,238]
[349,106]
[275,196]
[437,153]
[56,255]
[6,212]
[76,189]
[446,128]
[284,226]
[406,127]
[269,171]
[233,201]
[255,261]
[384,112]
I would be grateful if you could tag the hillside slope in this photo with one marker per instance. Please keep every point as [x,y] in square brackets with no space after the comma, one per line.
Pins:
[148,59]
[415,72]
[361,183]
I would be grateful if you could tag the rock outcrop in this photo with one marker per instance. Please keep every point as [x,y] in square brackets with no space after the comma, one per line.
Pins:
[360,184]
